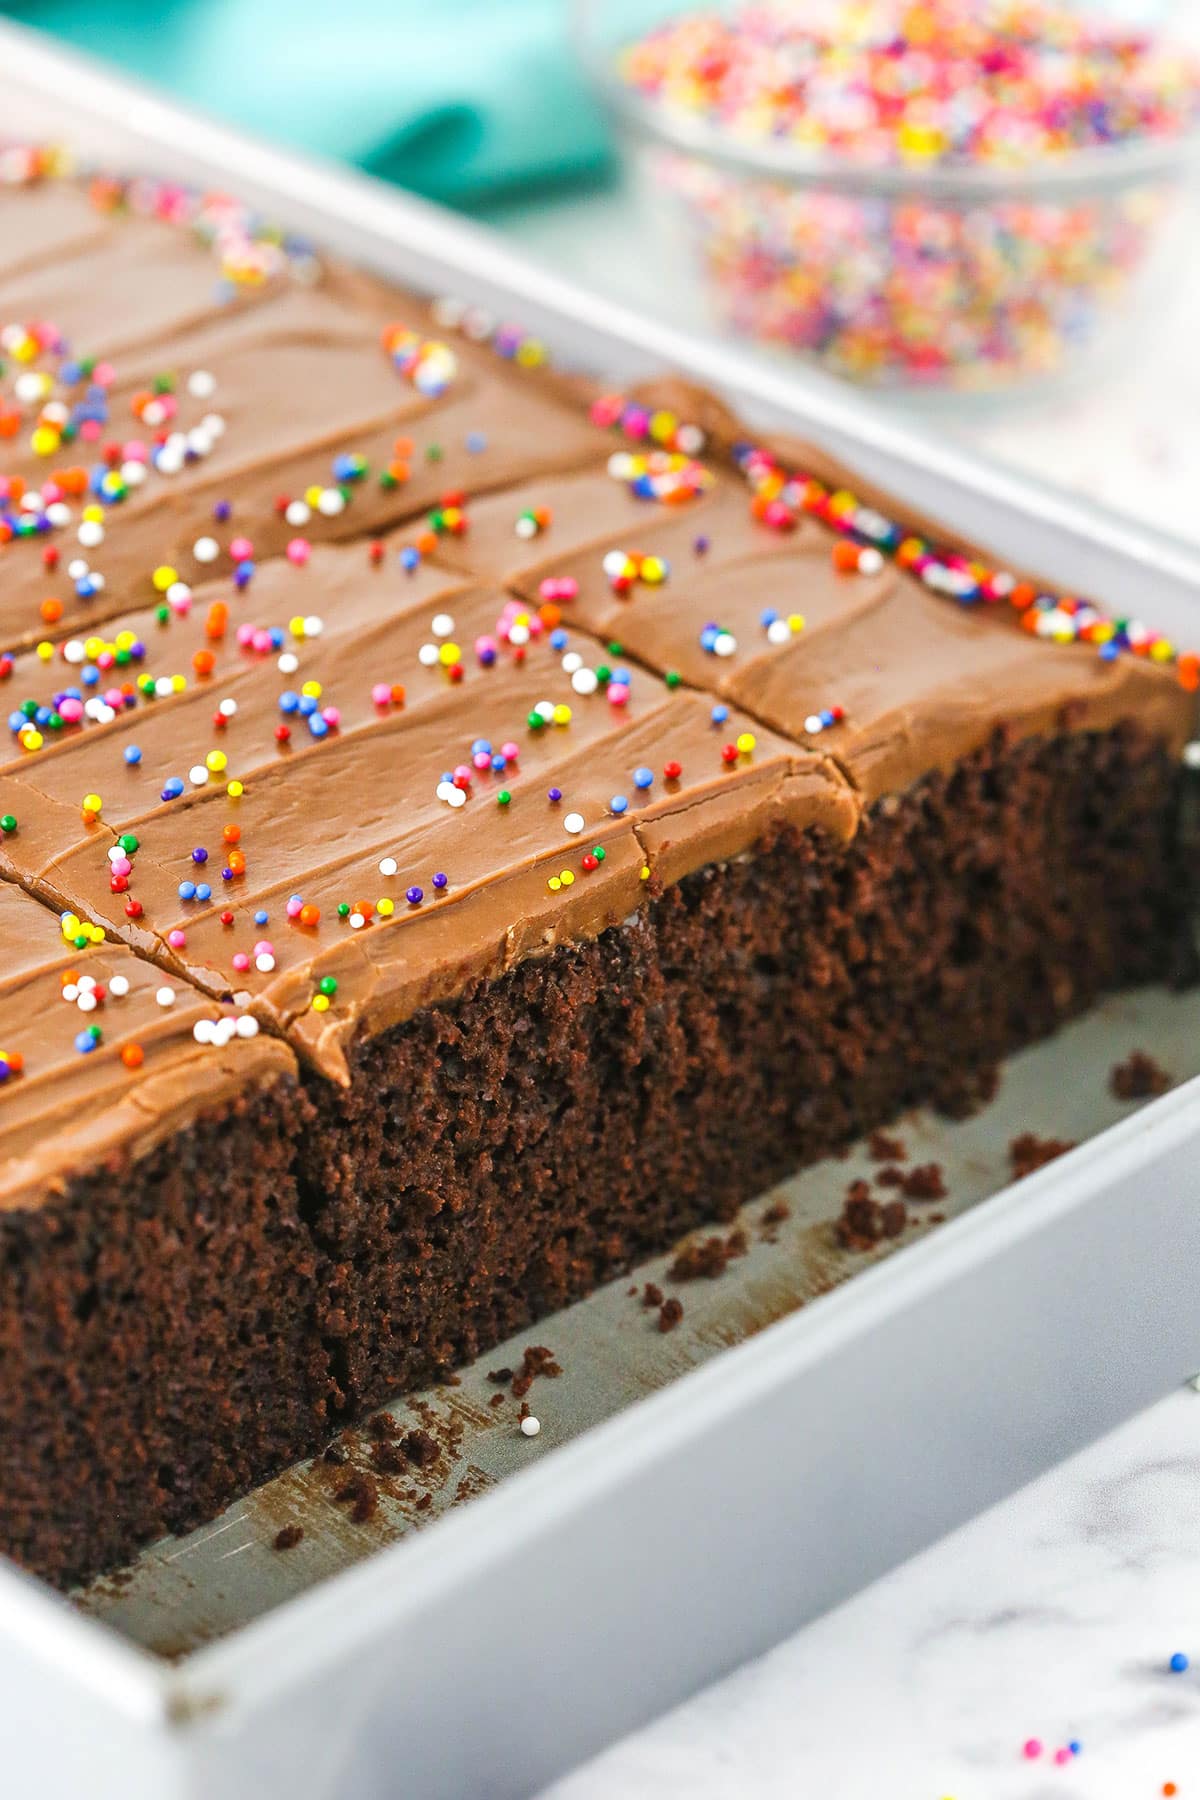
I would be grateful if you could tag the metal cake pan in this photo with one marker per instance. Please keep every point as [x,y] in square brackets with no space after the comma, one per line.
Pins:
[771,1464]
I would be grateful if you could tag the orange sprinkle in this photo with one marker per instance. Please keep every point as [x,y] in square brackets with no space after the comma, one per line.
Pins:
[51,610]
[217,620]
[237,861]
[310,915]
[845,557]
[132,1055]
[232,834]
[204,662]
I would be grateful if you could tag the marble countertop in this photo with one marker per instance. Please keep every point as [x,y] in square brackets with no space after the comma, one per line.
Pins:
[1053,1616]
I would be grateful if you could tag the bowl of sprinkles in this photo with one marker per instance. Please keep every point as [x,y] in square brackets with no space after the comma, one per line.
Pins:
[949,196]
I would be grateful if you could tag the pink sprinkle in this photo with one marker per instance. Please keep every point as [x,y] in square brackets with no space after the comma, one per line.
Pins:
[618,693]
[90,430]
[381,694]
[181,603]
[134,451]
[298,551]
[264,947]
[462,773]
[121,865]
[71,710]
[177,939]
[510,751]
[293,907]
[245,636]
[104,374]
[485,646]
[1062,1757]
[332,717]
[241,962]
[241,549]
[115,698]
[262,640]
[1031,1749]
[482,760]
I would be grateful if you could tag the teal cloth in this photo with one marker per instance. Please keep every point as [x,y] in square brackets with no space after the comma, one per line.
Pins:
[457,99]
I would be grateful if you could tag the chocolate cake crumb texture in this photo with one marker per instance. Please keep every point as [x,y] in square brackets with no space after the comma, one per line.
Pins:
[1139,1077]
[430,881]
[288,1537]
[1029,1152]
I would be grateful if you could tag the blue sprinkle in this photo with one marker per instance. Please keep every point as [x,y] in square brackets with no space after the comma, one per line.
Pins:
[90,675]
[476,442]
[409,558]
[559,639]
[498,763]
[555,794]
[289,702]
[414,896]
[203,891]
[307,705]
[769,617]
[1179,1663]
[618,804]
[199,854]
[481,747]
[719,714]
[643,777]
[85,1042]
[133,755]
[172,788]
[187,890]
[826,718]
[439,881]
[261,916]
[318,726]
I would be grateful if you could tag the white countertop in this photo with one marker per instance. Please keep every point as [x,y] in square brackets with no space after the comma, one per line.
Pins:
[1053,1616]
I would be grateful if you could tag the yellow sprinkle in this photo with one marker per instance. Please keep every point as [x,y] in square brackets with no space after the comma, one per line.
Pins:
[92,647]
[216,761]
[1162,651]
[235,790]
[312,495]
[26,350]
[530,354]
[95,932]
[126,640]
[385,907]
[662,426]
[654,570]
[311,690]
[645,872]
[567,878]
[91,803]
[449,654]
[178,683]
[554,884]
[44,441]
[45,651]
[31,740]
[296,626]
[164,577]
[70,925]
[562,715]
[795,621]
[320,1002]
[746,743]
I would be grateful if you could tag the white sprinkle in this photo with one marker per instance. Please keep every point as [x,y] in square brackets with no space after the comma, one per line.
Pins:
[526,528]
[201,384]
[264,962]
[724,644]
[572,661]
[119,986]
[198,775]
[70,992]
[228,709]
[163,687]
[442,625]
[585,681]
[91,533]
[298,513]
[165,996]
[77,568]
[530,1426]
[87,1002]
[331,503]
[690,439]
[1191,754]
[134,474]
[614,563]
[206,550]
[247,1026]
[388,866]
[573,823]
[214,424]
[545,710]
[778,632]
[203,1031]
[870,561]
[428,656]
[813,724]
[86,983]
[314,625]
[74,652]
[357,921]
[518,634]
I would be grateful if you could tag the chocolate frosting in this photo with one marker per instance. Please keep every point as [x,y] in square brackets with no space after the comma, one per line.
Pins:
[69,1110]
[669,755]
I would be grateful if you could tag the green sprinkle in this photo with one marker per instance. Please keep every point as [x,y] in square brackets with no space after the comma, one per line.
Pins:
[503,797]
[343,910]
[8,823]
[128,842]
[599,852]
[535,721]
[603,674]
[434,453]
[327,984]
[672,678]
[615,649]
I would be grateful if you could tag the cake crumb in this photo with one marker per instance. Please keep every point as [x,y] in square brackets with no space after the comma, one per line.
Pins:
[882,1147]
[288,1537]
[537,1360]
[708,1257]
[864,1222]
[925,1182]
[420,1449]
[1029,1152]
[889,1177]
[383,1426]
[388,1459]
[361,1495]
[652,1294]
[1139,1077]
[501,1377]
[496,1400]
[776,1213]
[424,1503]
[670,1313]
[336,1453]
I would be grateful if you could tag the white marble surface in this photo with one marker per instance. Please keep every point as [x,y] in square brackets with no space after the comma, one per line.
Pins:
[1054,1615]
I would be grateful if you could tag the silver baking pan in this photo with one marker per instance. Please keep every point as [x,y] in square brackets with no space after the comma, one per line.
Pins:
[693,1496]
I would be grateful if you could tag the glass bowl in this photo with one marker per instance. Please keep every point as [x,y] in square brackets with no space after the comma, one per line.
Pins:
[940,279]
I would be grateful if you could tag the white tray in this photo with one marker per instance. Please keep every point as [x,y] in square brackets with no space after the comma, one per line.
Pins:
[775,1459]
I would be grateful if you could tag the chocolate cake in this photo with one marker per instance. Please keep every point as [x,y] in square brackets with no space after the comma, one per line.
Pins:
[459,831]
